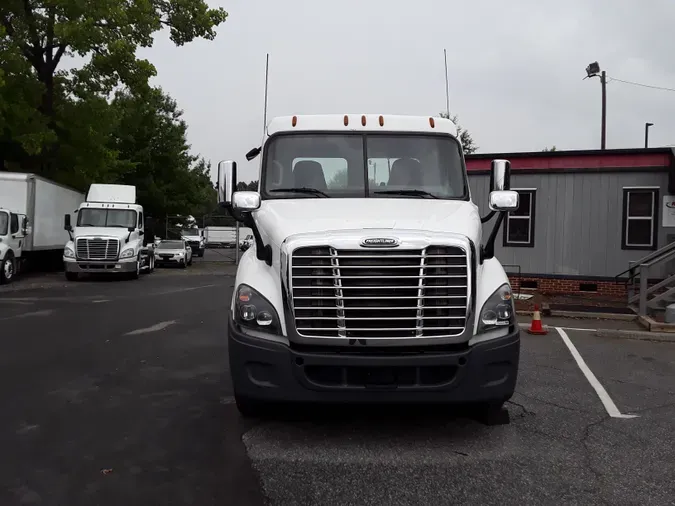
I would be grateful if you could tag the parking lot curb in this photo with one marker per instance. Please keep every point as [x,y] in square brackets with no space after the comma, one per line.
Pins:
[585,315]
[663,337]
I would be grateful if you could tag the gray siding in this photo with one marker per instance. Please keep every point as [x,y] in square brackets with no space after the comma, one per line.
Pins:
[577,223]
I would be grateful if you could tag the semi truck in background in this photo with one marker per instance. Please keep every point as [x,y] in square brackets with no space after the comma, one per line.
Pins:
[31,227]
[196,240]
[363,293]
[108,236]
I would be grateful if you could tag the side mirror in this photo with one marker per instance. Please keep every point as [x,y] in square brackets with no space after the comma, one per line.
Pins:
[500,175]
[245,201]
[24,225]
[227,182]
[504,200]
[141,232]
[131,229]
[66,222]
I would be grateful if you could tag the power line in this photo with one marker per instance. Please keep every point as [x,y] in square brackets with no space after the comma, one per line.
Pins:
[641,84]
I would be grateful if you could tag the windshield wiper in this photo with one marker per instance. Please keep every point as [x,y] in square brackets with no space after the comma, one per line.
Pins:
[303,189]
[418,193]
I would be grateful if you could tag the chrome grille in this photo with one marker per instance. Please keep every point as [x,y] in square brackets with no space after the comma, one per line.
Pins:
[383,294]
[97,249]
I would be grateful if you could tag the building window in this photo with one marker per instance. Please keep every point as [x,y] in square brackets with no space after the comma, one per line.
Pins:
[640,218]
[519,224]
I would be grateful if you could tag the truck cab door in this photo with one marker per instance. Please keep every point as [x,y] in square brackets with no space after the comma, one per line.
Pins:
[16,235]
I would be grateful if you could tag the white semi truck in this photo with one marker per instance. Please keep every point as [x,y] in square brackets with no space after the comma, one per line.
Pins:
[370,278]
[31,227]
[108,235]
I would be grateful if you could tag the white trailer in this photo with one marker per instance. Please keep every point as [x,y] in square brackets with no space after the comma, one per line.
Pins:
[220,237]
[31,220]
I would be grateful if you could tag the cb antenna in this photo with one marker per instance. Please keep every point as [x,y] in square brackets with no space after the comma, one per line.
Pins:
[447,85]
[267,68]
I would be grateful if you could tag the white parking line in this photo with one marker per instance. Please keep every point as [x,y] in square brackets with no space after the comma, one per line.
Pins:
[155,328]
[606,400]
[44,312]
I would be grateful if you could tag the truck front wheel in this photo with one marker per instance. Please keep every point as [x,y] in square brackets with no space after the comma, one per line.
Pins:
[72,276]
[7,269]
[137,273]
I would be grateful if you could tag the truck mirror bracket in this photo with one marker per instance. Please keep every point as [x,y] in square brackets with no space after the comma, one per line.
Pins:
[488,251]
[263,252]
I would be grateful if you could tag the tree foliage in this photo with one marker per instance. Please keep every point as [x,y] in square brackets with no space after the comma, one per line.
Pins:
[468,144]
[552,148]
[75,125]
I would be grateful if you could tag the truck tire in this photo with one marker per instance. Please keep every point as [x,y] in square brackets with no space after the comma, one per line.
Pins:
[183,264]
[151,264]
[7,269]
[201,253]
[137,273]
[72,276]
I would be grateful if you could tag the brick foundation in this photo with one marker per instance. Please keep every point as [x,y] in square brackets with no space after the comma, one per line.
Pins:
[567,286]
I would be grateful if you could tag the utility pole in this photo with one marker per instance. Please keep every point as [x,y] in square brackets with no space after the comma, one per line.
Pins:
[593,70]
[603,135]
[647,125]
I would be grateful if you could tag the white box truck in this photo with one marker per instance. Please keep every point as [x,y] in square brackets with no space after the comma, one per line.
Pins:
[364,288]
[108,235]
[31,221]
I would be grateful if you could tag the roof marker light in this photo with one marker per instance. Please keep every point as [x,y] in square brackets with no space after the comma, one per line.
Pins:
[346,120]
[363,120]
[381,120]
[294,121]
[432,122]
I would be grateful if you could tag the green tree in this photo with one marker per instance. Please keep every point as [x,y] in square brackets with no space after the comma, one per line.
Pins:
[250,186]
[150,140]
[40,104]
[552,148]
[468,144]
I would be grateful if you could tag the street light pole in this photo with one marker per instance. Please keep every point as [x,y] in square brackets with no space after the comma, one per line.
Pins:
[647,125]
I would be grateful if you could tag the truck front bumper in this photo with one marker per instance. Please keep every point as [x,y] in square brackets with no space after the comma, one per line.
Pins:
[269,371]
[86,266]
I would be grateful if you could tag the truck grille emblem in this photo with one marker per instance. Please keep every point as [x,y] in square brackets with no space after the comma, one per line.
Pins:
[379,242]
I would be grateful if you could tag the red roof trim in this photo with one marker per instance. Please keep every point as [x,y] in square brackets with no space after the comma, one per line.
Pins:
[599,161]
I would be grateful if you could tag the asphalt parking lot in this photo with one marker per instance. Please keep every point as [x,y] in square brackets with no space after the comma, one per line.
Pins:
[117,392]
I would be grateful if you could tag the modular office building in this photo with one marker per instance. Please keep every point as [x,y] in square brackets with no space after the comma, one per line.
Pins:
[583,215]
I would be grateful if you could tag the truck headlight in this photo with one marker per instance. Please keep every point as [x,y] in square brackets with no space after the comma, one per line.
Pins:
[498,310]
[253,310]
[127,253]
[68,253]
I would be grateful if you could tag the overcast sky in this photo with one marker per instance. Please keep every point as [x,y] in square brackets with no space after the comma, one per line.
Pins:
[515,69]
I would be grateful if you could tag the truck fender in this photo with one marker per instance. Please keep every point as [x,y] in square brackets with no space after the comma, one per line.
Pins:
[491,275]
[264,279]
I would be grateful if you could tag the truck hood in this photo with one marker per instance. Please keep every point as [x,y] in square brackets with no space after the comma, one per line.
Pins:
[103,232]
[279,219]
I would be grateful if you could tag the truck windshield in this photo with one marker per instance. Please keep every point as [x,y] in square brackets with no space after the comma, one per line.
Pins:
[4,222]
[92,217]
[338,165]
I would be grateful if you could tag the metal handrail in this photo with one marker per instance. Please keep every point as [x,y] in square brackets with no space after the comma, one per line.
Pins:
[640,270]
[652,258]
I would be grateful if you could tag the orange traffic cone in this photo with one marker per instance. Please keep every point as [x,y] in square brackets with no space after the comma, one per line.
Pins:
[536,326]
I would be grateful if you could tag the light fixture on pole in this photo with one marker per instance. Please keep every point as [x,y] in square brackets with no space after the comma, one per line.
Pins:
[593,70]
[647,125]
